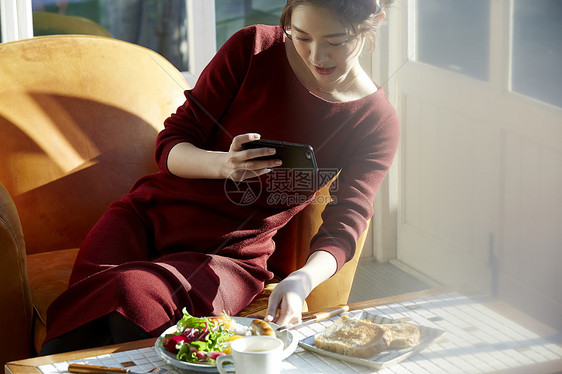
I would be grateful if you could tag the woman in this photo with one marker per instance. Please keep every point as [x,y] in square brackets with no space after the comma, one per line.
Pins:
[178,240]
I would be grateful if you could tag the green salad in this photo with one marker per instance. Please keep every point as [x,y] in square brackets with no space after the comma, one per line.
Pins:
[201,339]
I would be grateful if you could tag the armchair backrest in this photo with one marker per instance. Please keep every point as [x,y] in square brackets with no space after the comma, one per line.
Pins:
[79,117]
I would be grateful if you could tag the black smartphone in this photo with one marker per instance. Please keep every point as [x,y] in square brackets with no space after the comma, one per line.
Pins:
[293,155]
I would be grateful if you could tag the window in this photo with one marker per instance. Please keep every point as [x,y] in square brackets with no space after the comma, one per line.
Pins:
[15,20]
[537,50]
[454,35]
[232,15]
[155,24]
[186,32]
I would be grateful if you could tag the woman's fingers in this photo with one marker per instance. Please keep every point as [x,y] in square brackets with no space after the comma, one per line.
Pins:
[272,306]
[289,312]
[249,163]
[284,306]
[238,140]
[250,154]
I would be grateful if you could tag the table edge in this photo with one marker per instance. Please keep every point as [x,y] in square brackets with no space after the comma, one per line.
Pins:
[30,364]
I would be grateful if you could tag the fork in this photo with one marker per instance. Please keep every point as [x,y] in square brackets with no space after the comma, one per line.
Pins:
[81,368]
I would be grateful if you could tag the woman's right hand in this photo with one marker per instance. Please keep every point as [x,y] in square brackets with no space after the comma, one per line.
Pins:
[188,161]
[240,164]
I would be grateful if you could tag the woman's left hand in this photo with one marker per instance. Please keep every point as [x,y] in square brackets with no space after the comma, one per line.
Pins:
[287,299]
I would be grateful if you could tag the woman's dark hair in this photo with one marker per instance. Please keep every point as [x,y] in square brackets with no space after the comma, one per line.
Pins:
[361,16]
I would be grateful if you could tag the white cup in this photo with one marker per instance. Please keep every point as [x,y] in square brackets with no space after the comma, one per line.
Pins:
[254,354]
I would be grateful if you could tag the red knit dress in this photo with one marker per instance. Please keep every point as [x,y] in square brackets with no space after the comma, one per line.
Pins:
[172,242]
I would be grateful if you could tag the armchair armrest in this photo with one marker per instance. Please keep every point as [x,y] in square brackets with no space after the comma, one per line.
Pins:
[15,295]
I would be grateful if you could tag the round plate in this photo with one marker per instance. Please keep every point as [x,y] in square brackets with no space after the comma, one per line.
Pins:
[286,336]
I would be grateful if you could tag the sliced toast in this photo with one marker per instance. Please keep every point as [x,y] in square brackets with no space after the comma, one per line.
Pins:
[403,335]
[365,339]
[354,337]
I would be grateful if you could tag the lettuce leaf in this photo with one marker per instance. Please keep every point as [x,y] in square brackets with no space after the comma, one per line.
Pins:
[212,335]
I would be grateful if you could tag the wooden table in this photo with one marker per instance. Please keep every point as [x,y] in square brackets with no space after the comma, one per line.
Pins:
[431,306]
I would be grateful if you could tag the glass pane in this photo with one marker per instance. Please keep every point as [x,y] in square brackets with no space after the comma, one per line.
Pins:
[537,50]
[156,24]
[232,15]
[454,35]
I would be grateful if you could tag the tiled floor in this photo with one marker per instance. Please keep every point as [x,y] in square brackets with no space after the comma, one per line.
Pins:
[374,280]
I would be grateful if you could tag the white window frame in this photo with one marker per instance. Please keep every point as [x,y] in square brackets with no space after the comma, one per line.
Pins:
[16,20]
[17,24]
[202,39]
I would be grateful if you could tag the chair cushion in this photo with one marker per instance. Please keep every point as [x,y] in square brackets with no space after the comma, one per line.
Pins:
[48,274]
[258,306]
